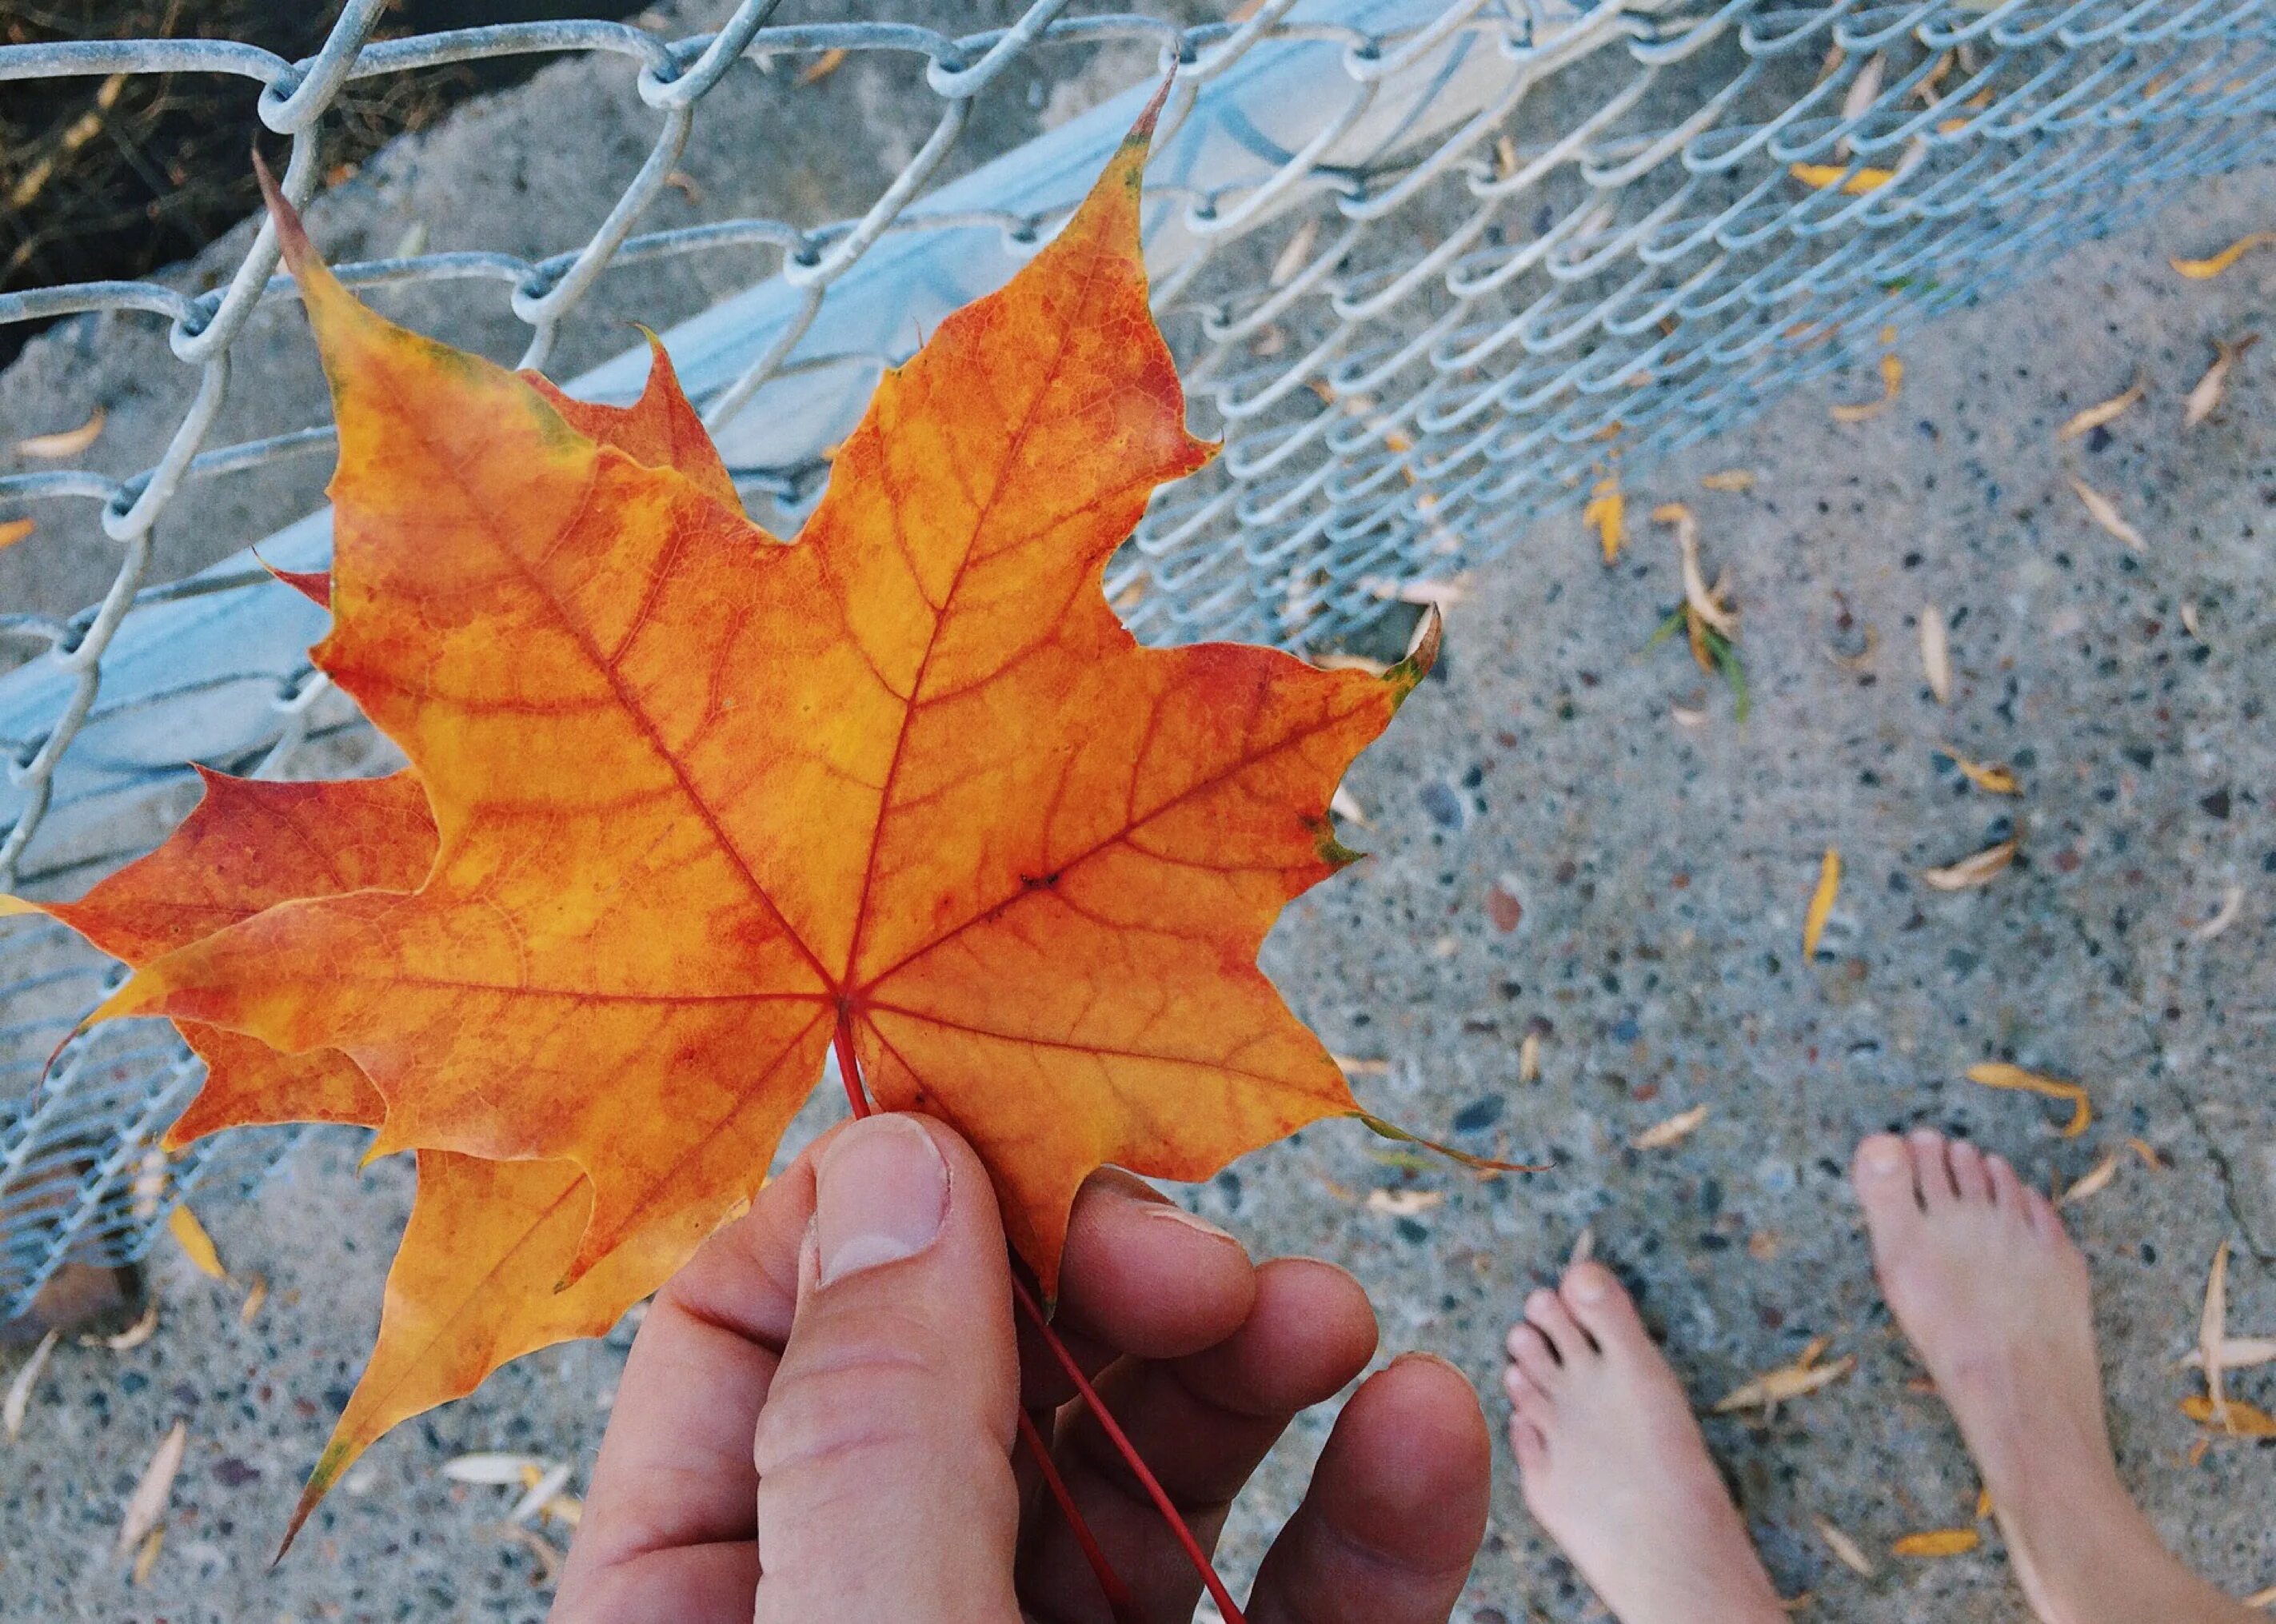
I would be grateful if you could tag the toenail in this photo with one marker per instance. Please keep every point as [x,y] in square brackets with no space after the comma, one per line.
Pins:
[1589,1285]
[1884,1157]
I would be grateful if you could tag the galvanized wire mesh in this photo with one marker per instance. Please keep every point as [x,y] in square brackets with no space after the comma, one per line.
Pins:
[1431,269]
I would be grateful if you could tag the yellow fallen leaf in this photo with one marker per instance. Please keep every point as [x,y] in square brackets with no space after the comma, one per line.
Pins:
[2104,513]
[1730,479]
[2205,400]
[1403,1203]
[822,66]
[146,1508]
[2107,411]
[255,1295]
[549,1555]
[2244,1420]
[1659,1135]
[1606,514]
[1979,870]
[1821,903]
[152,1543]
[2205,270]
[2000,1074]
[195,1243]
[1293,256]
[1936,653]
[1772,1388]
[14,530]
[1983,1501]
[2152,1156]
[63,442]
[2092,1182]
[1991,780]
[1892,383]
[2261,1598]
[1845,1548]
[1937,1541]
[1857,185]
[19,1400]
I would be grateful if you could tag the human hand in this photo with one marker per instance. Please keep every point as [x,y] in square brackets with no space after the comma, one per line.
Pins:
[819,1417]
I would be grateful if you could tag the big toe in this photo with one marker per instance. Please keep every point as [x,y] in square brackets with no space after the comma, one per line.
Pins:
[1596,1298]
[1884,1177]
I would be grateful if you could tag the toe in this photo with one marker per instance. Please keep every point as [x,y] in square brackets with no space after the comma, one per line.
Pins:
[1531,1353]
[1528,1443]
[1524,1393]
[2006,1187]
[1933,1169]
[1545,1312]
[1883,1175]
[1969,1176]
[1602,1306]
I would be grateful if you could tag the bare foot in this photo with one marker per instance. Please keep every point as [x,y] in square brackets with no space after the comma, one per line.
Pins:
[1613,1467]
[1980,1275]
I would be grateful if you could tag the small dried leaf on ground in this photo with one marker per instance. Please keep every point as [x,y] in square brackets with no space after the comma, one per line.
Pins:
[1298,250]
[2000,1075]
[1403,1203]
[1772,1388]
[1821,902]
[1528,1059]
[1937,1541]
[542,1488]
[146,1508]
[14,530]
[2153,1158]
[1892,383]
[64,442]
[1852,1557]
[1979,870]
[1503,906]
[1729,479]
[822,66]
[1351,1066]
[1345,805]
[1856,184]
[1993,780]
[12,1409]
[2237,1354]
[255,1295]
[140,1331]
[2205,270]
[2105,411]
[1936,653]
[196,1245]
[2213,1333]
[2104,513]
[2232,900]
[1659,1135]
[2205,400]
[1706,605]
[2261,1598]
[1983,1502]
[493,1469]
[1340,661]
[2243,1420]
[2092,1182]
[1607,513]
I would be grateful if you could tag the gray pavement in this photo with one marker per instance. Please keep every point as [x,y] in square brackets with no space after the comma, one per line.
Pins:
[1662,870]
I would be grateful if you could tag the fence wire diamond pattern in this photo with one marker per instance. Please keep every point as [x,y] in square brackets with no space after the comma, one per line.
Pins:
[1432,269]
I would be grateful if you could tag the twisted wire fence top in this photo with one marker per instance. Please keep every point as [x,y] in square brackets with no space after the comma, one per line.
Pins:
[1432,267]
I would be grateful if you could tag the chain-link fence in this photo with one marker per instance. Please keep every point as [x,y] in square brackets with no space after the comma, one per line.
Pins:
[1432,269]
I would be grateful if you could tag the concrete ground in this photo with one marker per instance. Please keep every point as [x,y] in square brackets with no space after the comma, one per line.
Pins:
[1661,870]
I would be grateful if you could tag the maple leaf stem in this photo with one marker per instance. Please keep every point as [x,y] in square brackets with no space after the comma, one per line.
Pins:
[1128,1451]
[1118,1598]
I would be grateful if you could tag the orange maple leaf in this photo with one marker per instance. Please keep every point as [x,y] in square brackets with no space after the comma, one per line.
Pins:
[473,1283]
[704,805]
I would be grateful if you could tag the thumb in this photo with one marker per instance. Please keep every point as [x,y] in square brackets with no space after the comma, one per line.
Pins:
[884,1450]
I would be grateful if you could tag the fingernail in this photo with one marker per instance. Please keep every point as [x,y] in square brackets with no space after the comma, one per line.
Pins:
[1193,1221]
[881,1195]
